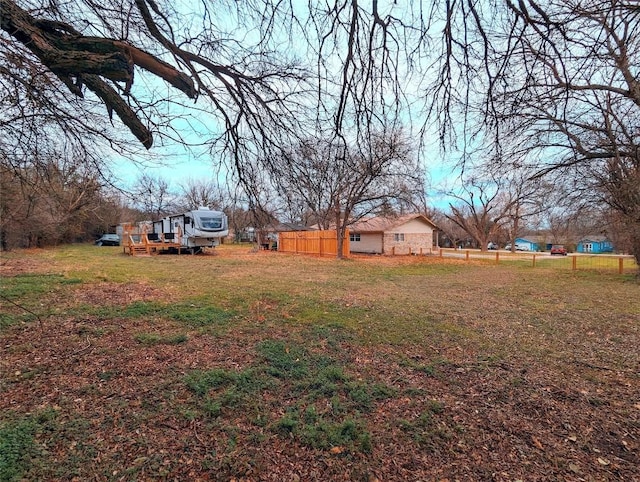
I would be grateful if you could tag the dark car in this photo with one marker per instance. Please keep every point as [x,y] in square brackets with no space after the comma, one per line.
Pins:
[558,249]
[108,240]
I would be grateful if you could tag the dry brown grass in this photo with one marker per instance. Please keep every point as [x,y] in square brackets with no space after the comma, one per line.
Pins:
[489,372]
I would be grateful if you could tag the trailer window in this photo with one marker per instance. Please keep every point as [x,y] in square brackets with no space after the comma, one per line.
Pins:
[211,223]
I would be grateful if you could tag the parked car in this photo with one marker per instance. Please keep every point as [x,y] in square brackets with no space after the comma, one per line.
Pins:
[558,249]
[519,247]
[108,240]
[492,245]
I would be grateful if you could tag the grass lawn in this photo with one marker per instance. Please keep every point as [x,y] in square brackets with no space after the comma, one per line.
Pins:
[265,366]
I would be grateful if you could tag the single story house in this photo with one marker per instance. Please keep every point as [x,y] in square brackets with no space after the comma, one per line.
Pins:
[526,244]
[594,244]
[408,234]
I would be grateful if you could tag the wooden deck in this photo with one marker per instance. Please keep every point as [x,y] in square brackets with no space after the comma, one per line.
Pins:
[137,242]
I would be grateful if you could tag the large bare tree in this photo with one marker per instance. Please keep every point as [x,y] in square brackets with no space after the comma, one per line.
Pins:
[195,193]
[153,196]
[341,183]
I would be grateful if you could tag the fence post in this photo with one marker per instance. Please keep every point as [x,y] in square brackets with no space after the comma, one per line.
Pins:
[574,263]
[467,255]
[497,257]
[393,250]
[621,265]
[534,261]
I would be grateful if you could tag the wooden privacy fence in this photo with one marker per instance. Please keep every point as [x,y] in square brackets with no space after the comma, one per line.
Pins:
[313,242]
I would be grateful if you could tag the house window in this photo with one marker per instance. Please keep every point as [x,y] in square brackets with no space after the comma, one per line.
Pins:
[588,247]
[354,237]
[398,237]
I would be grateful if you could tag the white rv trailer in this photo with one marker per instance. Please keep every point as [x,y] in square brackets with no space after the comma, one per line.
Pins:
[192,230]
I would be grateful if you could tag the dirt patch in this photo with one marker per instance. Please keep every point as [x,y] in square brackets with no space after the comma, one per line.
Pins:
[116,294]
[28,261]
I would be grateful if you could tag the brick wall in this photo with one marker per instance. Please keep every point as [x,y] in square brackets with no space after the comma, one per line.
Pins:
[411,244]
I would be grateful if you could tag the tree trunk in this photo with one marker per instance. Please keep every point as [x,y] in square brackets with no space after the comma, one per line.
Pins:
[634,235]
[341,227]
[340,242]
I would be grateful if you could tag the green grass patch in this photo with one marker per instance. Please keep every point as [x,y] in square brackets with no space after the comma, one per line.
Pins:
[156,339]
[218,389]
[196,315]
[6,320]
[17,448]
[327,406]
[188,313]
[284,360]
[20,450]
[29,286]
[318,431]
[200,382]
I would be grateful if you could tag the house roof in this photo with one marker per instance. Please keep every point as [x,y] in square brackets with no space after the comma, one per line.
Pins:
[595,238]
[284,227]
[537,239]
[380,224]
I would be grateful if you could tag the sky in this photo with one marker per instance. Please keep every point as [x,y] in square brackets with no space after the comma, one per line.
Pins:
[177,165]
[172,165]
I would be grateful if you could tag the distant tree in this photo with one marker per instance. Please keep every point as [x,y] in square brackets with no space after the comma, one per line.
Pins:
[480,209]
[452,235]
[617,230]
[475,222]
[340,183]
[527,197]
[492,202]
[561,225]
[196,193]
[619,183]
[48,202]
[153,196]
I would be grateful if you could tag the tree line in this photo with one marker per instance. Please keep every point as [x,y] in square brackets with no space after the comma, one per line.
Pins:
[61,201]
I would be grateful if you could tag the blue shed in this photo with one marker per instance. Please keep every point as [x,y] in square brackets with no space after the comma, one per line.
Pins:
[594,244]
